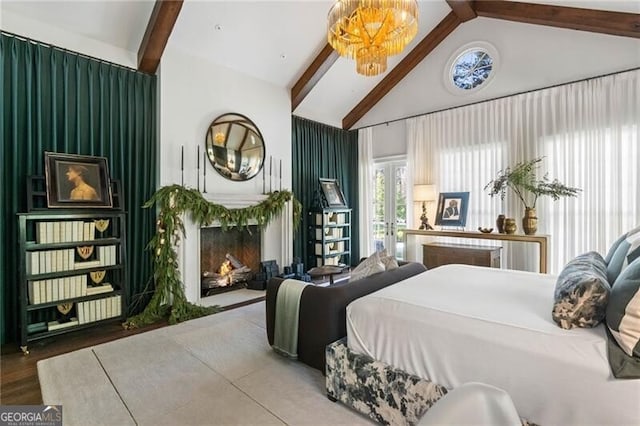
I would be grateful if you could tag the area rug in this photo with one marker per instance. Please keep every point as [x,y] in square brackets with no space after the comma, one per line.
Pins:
[210,371]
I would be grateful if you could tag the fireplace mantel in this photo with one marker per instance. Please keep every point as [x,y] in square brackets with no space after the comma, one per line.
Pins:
[235,201]
[276,241]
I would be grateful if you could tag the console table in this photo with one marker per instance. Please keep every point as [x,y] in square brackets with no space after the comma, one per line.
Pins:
[541,240]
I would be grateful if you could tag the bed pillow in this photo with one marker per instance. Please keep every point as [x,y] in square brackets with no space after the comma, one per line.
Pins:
[582,292]
[390,263]
[623,312]
[371,265]
[624,251]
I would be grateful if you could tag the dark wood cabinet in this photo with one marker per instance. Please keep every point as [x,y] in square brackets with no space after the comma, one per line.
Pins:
[437,254]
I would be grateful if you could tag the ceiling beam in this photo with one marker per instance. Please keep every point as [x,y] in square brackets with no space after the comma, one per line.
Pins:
[163,17]
[312,75]
[408,63]
[464,9]
[598,21]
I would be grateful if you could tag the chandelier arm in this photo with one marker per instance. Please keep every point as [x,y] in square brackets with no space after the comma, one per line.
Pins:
[370,32]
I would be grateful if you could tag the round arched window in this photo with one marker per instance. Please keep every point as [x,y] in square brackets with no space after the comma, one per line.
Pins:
[471,67]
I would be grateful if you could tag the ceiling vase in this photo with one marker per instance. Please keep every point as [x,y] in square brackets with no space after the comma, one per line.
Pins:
[369,31]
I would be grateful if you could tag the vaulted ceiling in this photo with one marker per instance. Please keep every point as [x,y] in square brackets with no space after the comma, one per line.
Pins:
[284,43]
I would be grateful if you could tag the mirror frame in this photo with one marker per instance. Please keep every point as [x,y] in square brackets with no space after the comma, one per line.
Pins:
[235,119]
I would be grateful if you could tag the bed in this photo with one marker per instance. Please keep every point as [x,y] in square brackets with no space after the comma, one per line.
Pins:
[457,324]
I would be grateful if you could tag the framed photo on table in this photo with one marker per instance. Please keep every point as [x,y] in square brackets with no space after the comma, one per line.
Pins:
[452,209]
[332,193]
[77,181]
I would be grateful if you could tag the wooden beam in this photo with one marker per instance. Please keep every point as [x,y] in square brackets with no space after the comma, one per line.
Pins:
[312,75]
[408,63]
[163,17]
[464,9]
[598,21]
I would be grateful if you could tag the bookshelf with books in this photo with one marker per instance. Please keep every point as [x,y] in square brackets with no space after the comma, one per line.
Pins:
[72,271]
[330,237]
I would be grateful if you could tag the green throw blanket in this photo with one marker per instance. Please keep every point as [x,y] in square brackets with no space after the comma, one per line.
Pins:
[285,338]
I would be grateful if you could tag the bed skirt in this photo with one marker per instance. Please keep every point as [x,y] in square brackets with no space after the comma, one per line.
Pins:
[386,394]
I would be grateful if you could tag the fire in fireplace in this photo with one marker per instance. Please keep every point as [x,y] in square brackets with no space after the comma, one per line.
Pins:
[228,259]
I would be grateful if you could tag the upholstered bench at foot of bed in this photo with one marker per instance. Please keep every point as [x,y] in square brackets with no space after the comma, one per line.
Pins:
[386,394]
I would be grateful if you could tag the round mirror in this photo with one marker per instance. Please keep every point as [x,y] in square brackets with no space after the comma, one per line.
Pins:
[235,147]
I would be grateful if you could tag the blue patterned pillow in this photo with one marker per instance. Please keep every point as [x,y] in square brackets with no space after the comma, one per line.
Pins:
[582,292]
[623,312]
[624,251]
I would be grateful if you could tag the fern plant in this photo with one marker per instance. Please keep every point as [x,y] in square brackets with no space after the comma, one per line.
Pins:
[522,179]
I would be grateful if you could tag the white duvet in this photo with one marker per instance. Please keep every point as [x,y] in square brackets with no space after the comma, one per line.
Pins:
[457,324]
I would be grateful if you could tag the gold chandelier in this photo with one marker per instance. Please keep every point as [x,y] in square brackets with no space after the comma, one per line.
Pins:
[371,30]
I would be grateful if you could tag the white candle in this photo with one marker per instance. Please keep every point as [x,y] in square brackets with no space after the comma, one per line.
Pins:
[270,173]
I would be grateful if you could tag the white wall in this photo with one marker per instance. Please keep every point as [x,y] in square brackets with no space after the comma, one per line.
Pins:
[389,139]
[37,30]
[192,94]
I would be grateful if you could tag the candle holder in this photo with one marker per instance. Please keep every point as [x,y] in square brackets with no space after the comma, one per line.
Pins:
[204,173]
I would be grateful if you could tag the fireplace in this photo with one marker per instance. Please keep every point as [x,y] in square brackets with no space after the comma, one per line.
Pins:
[228,258]
[276,241]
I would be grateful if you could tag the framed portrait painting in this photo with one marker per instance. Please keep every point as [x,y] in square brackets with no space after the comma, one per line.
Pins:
[77,181]
[452,209]
[332,193]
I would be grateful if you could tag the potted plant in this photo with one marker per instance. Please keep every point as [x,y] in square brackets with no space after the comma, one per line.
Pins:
[523,180]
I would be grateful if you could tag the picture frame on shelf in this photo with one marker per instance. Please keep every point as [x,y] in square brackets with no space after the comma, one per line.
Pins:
[452,209]
[77,181]
[332,193]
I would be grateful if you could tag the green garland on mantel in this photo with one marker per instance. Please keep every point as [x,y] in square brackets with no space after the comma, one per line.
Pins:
[172,202]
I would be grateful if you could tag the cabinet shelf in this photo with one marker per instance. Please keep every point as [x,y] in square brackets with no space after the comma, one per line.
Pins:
[35,307]
[72,272]
[335,240]
[45,334]
[31,253]
[325,255]
[33,246]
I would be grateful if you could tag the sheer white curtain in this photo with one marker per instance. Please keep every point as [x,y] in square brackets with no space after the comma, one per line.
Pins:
[589,133]
[365,186]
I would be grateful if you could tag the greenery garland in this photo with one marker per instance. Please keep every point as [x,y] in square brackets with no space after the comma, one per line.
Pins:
[172,202]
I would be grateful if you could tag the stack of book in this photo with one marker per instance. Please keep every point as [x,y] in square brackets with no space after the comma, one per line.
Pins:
[104,288]
[46,261]
[56,325]
[65,232]
[99,309]
[45,291]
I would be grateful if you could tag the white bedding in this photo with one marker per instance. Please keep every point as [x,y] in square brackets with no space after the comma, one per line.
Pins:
[457,324]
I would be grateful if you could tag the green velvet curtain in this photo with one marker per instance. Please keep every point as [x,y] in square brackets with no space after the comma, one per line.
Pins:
[321,151]
[53,100]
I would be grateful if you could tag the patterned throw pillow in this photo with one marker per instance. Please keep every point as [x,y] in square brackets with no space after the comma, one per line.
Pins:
[390,263]
[623,311]
[371,265]
[624,251]
[582,292]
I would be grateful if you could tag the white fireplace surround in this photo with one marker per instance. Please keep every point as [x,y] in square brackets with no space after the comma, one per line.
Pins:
[275,243]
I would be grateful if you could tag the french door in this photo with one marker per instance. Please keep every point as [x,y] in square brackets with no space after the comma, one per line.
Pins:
[390,206]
